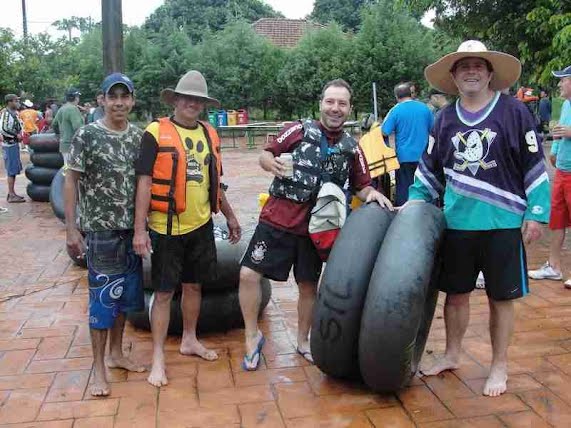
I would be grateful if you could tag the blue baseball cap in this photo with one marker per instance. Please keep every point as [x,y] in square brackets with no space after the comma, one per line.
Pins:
[117,79]
[566,72]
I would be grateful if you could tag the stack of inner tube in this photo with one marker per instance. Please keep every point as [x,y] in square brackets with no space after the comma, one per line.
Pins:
[377,296]
[220,307]
[46,161]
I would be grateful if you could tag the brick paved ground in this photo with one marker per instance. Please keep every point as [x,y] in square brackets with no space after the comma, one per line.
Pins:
[45,357]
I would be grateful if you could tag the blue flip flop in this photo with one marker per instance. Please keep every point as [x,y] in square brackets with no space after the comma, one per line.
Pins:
[248,361]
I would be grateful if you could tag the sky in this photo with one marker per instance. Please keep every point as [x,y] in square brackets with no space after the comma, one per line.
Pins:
[42,13]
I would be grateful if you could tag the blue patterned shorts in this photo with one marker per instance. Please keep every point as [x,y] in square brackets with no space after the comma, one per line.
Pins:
[115,275]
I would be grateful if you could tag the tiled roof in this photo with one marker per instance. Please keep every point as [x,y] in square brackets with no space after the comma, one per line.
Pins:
[284,32]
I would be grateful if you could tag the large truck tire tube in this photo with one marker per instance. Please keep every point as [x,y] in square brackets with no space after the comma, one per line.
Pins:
[40,175]
[44,143]
[337,313]
[47,160]
[228,264]
[218,311]
[401,299]
[56,195]
[38,192]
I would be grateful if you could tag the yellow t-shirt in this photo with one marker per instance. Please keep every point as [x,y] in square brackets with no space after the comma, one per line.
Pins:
[29,118]
[197,211]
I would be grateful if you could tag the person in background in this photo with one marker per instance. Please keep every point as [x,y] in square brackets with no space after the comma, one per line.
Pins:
[11,135]
[560,218]
[411,121]
[67,121]
[544,112]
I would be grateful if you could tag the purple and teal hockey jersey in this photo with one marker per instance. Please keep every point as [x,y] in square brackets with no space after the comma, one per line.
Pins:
[490,172]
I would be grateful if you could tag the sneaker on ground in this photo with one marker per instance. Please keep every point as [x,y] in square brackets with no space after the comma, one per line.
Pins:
[567,284]
[545,272]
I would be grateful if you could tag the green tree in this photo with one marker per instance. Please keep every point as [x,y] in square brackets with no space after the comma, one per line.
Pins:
[391,47]
[347,13]
[84,25]
[240,66]
[7,83]
[320,56]
[198,17]
[536,31]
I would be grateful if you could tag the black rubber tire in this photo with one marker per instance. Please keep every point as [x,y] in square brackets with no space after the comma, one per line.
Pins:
[400,301]
[47,160]
[44,143]
[38,193]
[56,195]
[40,175]
[228,264]
[218,311]
[337,312]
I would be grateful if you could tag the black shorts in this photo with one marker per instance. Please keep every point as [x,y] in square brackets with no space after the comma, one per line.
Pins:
[188,258]
[499,254]
[272,252]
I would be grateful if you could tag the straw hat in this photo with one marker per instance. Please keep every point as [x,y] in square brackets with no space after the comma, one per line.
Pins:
[192,83]
[507,68]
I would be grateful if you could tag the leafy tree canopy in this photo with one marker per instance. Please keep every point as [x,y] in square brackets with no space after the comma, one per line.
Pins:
[198,17]
[536,31]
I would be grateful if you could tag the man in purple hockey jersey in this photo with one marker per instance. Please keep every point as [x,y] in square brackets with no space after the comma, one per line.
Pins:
[485,160]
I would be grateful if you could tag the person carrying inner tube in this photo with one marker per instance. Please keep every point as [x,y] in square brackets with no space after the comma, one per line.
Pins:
[179,187]
[281,237]
[101,164]
[484,158]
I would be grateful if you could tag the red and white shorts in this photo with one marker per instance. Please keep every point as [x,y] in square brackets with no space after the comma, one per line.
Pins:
[560,217]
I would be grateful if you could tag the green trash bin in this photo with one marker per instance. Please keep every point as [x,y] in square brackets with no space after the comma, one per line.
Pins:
[212,117]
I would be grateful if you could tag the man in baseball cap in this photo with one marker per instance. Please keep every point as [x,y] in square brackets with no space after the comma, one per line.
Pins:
[485,161]
[101,165]
[560,218]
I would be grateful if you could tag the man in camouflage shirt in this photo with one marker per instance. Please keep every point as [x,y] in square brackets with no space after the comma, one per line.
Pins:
[102,168]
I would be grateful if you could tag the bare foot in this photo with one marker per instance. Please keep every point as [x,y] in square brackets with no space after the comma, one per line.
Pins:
[198,349]
[496,384]
[124,363]
[158,376]
[442,364]
[100,387]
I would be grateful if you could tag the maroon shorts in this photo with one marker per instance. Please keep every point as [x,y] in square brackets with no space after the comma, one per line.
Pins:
[560,217]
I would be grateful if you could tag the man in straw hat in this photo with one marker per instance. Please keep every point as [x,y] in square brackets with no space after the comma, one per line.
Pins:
[485,160]
[560,204]
[179,171]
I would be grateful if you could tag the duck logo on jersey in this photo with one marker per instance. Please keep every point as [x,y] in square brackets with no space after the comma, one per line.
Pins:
[472,149]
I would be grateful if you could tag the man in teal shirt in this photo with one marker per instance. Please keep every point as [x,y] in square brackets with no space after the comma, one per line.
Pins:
[67,121]
[560,218]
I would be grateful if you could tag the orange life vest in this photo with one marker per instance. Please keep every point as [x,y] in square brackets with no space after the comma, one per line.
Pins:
[168,189]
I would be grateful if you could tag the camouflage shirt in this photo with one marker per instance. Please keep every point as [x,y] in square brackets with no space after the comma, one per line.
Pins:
[106,159]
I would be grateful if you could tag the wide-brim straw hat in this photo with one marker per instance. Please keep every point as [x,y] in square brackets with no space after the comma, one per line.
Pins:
[507,68]
[193,84]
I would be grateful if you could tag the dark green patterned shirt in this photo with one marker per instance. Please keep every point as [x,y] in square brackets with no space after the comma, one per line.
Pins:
[106,160]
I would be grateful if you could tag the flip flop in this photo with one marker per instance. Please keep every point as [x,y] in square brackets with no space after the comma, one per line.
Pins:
[306,355]
[3,210]
[248,361]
